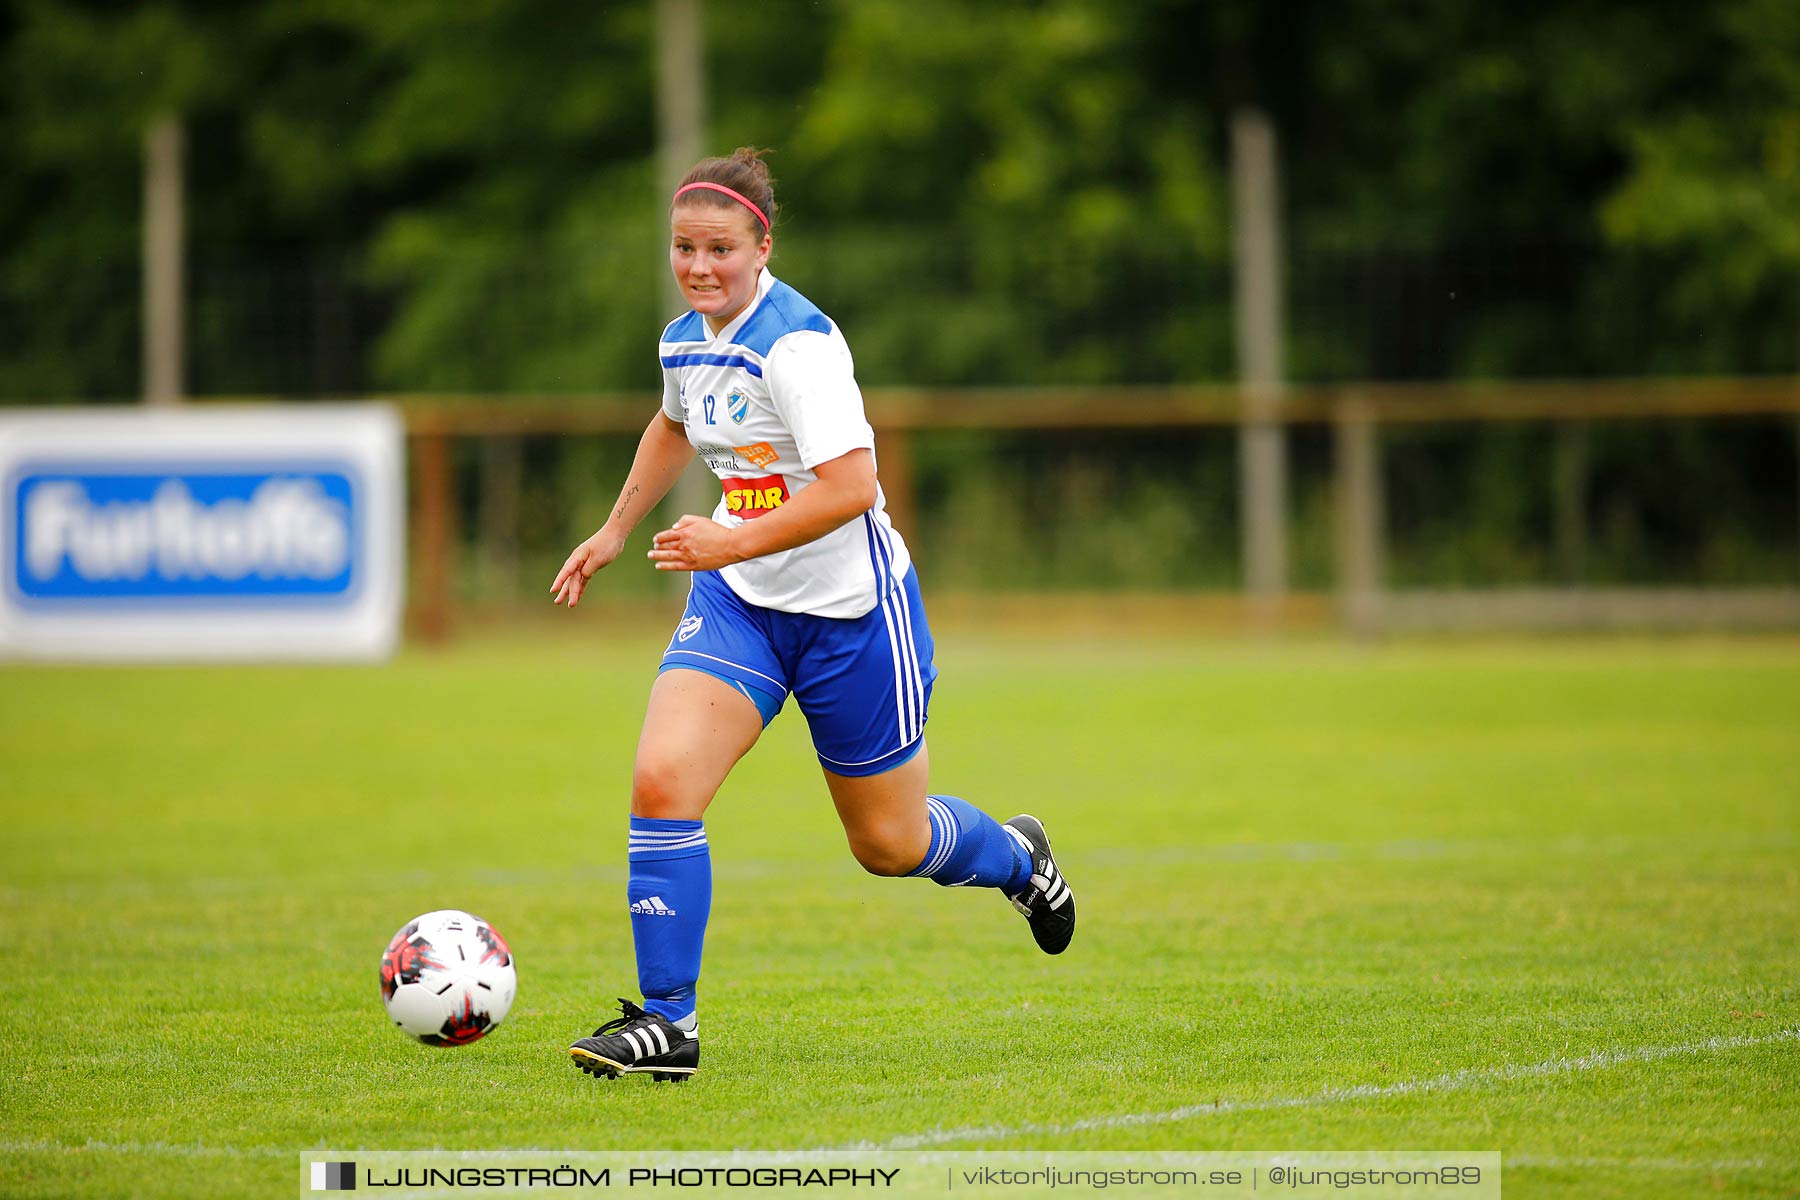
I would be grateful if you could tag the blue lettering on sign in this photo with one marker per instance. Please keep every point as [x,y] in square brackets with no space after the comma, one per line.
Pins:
[142,533]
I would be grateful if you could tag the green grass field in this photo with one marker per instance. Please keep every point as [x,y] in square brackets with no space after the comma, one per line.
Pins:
[1540,896]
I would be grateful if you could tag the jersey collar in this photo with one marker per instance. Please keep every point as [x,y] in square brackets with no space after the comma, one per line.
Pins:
[764,282]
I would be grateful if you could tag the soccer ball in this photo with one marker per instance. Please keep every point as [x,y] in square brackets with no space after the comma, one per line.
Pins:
[447,978]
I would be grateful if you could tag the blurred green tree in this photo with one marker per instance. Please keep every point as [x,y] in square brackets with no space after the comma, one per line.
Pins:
[520,136]
[407,196]
[83,86]
[403,196]
[1713,191]
[1047,214]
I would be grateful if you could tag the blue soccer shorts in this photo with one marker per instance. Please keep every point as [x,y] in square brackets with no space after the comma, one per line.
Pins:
[864,682]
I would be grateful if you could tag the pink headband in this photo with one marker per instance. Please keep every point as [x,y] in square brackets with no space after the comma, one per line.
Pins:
[738,196]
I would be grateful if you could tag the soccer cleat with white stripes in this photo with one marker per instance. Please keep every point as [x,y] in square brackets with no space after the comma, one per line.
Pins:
[1046,901]
[638,1042]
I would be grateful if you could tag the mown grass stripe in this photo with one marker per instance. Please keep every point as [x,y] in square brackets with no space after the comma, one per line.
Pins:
[1554,1162]
[1467,1077]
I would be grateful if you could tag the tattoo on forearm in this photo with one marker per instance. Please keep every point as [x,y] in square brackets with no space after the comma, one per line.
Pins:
[624,503]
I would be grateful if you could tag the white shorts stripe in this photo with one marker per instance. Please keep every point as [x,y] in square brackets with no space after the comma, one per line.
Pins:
[906,668]
[911,650]
[916,680]
[909,700]
[902,671]
[863,762]
[779,687]
[887,616]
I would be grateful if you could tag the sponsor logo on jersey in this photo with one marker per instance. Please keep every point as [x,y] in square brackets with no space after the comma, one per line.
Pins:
[688,628]
[759,455]
[739,406]
[749,498]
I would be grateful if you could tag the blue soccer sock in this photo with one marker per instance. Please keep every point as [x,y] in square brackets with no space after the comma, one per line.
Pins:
[671,895]
[970,849]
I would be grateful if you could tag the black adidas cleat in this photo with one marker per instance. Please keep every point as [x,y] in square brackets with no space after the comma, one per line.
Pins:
[638,1042]
[1046,901]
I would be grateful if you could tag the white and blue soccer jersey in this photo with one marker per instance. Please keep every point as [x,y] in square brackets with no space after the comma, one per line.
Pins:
[765,401]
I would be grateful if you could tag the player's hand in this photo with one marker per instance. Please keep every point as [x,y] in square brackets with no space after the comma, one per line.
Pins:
[693,544]
[581,564]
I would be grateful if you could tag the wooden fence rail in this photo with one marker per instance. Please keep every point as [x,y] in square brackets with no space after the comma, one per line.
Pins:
[1355,412]
[1184,405]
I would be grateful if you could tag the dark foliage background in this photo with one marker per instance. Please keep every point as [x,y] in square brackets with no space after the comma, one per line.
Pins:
[416,197]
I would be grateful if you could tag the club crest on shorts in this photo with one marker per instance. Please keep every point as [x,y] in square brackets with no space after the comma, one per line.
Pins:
[688,628]
[738,405]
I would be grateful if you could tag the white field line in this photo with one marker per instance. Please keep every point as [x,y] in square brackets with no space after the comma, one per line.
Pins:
[196,1150]
[1426,849]
[1512,1162]
[1468,1077]
[165,1149]
[1554,1162]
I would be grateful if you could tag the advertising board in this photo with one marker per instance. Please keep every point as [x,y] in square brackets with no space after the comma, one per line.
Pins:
[201,533]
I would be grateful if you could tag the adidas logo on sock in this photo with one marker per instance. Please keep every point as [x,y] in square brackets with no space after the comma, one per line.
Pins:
[653,906]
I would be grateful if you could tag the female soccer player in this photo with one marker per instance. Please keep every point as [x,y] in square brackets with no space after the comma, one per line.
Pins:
[799,584]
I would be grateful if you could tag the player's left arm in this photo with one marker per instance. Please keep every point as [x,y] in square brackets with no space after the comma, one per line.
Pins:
[843,491]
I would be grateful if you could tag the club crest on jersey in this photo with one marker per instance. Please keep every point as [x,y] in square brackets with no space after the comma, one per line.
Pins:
[738,405]
[688,628]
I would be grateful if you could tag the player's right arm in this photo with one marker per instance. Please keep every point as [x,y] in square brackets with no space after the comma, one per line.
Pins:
[662,454]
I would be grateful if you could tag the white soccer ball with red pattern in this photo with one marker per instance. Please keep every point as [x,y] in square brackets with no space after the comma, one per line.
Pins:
[447,978]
